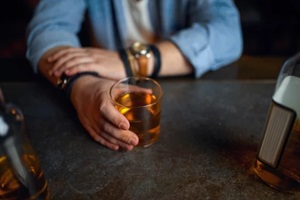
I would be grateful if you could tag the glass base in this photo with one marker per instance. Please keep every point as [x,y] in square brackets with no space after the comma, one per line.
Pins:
[148,143]
[275,178]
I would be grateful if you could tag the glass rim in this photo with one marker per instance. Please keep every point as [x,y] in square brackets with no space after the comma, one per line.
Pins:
[136,78]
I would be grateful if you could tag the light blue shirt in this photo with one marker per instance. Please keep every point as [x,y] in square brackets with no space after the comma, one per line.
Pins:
[207,32]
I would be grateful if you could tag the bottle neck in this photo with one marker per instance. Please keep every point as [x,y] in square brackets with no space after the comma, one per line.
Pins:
[288,93]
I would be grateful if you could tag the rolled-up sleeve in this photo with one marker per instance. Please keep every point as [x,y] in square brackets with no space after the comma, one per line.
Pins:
[214,37]
[52,25]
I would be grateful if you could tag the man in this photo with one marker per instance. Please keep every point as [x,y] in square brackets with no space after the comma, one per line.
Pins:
[186,36]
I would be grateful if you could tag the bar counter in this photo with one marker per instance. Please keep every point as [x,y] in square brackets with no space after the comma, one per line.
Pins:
[210,132]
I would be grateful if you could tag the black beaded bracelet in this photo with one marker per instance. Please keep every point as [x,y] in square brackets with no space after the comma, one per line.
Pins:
[66,82]
[127,65]
[157,63]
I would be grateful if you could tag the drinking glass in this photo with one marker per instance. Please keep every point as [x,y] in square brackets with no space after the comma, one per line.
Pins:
[139,100]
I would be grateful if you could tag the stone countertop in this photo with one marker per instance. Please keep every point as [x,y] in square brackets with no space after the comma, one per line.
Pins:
[210,131]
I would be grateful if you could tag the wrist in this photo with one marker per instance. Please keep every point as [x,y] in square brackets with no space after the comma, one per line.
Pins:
[65,83]
[81,90]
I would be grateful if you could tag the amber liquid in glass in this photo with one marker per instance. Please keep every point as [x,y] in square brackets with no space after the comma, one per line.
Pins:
[143,114]
[12,188]
[286,176]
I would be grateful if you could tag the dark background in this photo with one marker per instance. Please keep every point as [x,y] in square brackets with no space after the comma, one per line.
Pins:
[270,31]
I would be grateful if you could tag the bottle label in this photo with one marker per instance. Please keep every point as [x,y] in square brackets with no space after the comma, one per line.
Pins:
[277,129]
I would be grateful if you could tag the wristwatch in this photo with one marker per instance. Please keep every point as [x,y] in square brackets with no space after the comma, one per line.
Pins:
[141,53]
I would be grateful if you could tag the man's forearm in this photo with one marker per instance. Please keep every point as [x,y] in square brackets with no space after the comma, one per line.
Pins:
[173,62]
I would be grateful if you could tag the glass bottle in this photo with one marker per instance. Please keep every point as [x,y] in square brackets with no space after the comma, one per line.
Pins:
[278,157]
[21,176]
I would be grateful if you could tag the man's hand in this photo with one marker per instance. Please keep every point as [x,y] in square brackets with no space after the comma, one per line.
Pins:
[75,60]
[98,115]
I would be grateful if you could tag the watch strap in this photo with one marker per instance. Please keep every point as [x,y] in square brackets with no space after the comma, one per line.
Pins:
[126,61]
[157,61]
[143,62]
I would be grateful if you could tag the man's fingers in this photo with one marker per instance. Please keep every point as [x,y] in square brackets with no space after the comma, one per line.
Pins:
[80,68]
[62,57]
[120,125]
[123,135]
[113,115]
[98,138]
[113,140]
[62,52]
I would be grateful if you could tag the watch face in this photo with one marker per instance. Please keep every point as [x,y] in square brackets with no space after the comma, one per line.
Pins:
[139,48]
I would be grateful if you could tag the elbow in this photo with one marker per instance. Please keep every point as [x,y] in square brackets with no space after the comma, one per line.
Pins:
[234,49]
[237,49]
[239,45]
[228,51]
